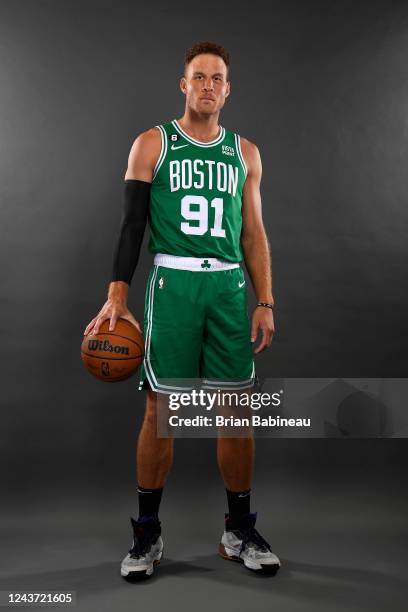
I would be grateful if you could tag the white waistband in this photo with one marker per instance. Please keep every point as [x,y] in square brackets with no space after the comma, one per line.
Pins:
[195,264]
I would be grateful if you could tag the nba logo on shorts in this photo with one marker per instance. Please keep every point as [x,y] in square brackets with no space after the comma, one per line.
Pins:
[161,282]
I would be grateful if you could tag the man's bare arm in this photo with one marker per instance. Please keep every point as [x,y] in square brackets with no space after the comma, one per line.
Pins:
[143,156]
[255,245]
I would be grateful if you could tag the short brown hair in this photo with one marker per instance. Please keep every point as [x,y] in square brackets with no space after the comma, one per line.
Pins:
[207,47]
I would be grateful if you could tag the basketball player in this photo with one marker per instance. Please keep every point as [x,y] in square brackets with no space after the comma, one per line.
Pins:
[199,186]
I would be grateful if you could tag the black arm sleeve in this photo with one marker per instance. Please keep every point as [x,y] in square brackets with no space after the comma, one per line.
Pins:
[134,218]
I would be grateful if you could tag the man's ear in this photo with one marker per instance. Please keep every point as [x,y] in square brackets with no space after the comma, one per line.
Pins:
[228,89]
[183,85]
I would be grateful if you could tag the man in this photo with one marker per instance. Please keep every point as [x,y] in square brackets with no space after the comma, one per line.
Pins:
[199,185]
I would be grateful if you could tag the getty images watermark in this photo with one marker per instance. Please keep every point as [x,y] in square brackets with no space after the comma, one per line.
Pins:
[286,408]
[239,404]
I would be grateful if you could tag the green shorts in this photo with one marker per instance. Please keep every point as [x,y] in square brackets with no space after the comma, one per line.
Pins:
[196,326]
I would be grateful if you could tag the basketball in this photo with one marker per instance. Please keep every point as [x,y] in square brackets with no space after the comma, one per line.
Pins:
[113,355]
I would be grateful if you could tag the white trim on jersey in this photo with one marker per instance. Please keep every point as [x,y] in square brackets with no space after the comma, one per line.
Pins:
[240,156]
[230,385]
[192,140]
[163,150]
[217,385]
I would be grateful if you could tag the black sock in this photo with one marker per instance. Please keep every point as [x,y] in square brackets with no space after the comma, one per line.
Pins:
[149,501]
[238,503]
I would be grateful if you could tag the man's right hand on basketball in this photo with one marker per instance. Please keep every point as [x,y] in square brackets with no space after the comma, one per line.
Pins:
[113,311]
[114,308]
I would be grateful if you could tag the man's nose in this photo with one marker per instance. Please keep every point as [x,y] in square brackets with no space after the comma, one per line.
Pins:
[208,84]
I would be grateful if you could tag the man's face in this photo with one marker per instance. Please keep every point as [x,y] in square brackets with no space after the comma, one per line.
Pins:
[205,83]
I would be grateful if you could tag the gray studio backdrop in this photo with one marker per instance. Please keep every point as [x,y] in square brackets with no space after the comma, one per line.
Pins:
[321,87]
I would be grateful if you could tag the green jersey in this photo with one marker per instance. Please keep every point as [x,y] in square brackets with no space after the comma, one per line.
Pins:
[196,195]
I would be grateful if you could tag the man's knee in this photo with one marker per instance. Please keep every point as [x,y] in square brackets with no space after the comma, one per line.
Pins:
[150,414]
[156,407]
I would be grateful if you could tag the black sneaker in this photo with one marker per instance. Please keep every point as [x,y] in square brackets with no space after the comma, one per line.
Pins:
[242,542]
[146,551]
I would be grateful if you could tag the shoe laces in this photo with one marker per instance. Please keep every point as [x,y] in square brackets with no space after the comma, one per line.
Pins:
[142,541]
[139,548]
[251,536]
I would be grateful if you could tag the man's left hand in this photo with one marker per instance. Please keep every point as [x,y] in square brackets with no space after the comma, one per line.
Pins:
[262,319]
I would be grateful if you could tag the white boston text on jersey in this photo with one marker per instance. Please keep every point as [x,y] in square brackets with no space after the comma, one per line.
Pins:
[203,174]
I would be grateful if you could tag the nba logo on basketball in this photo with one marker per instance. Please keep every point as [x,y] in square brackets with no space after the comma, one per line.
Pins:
[161,283]
[105,368]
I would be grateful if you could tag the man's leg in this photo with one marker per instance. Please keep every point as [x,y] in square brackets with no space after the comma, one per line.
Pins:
[236,451]
[154,457]
[240,540]
[235,458]
[236,461]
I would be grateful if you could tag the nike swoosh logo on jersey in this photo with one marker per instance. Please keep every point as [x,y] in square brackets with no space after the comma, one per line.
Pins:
[243,495]
[174,148]
[241,284]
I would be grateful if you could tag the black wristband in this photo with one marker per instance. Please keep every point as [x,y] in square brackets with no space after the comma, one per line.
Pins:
[265,305]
